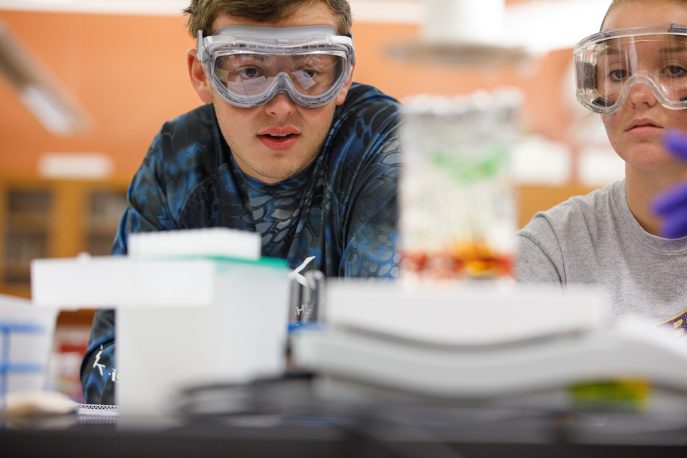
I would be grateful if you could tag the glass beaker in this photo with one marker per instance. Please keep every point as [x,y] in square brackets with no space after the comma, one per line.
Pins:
[457,196]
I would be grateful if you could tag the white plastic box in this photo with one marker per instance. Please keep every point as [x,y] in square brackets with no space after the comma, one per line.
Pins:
[26,341]
[179,322]
[241,334]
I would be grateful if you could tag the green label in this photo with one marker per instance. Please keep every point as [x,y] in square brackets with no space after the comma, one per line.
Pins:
[471,169]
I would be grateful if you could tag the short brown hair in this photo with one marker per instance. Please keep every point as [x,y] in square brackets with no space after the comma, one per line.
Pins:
[202,13]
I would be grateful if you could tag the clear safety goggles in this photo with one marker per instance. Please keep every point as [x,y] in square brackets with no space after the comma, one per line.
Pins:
[248,65]
[610,63]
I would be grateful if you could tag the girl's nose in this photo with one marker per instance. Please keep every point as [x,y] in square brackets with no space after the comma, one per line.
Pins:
[641,93]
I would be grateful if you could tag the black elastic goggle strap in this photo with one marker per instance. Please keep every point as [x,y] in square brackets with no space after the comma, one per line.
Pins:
[601,102]
[586,75]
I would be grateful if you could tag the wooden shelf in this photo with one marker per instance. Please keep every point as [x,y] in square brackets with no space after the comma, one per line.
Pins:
[102,228]
[532,198]
[23,290]
[41,218]
[12,270]
[25,222]
[75,317]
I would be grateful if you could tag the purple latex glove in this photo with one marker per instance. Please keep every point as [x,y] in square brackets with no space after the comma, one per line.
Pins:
[671,205]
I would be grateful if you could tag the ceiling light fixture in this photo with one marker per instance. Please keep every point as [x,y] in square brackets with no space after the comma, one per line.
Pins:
[50,103]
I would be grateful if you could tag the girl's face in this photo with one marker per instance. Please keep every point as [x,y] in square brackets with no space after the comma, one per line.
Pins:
[636,129]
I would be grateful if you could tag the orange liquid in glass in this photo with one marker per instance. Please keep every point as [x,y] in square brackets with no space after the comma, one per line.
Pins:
[471,260]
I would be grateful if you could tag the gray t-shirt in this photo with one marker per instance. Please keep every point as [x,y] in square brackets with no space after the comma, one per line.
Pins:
[596,239]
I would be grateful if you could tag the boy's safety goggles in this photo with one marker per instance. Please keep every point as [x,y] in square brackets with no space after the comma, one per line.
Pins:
[609,64]
[248,65]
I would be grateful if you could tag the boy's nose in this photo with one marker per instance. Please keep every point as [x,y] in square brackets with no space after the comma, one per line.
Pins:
[280,105]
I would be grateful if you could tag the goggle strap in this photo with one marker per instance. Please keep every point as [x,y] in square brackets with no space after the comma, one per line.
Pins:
[200,47]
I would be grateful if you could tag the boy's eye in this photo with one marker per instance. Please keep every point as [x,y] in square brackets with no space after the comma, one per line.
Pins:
[249,72]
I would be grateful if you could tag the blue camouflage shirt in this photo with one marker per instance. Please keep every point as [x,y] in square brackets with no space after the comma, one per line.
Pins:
[342,208]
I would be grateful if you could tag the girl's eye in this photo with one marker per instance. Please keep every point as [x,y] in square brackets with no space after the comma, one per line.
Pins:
[675,70]
[617,75]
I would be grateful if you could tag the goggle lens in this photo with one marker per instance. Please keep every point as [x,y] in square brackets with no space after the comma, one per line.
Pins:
[249,65]
[252,74]
[609,69]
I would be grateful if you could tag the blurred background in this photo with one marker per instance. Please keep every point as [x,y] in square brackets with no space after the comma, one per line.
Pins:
[86,84]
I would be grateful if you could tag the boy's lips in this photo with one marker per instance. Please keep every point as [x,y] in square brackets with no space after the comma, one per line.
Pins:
[279,138]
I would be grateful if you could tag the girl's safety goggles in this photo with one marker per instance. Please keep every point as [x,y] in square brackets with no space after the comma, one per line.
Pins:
[249,65]
[609,64]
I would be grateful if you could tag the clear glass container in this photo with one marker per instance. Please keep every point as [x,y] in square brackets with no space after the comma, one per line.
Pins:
[458,216]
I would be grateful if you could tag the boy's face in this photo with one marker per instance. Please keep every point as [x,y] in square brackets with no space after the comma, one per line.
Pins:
[274,141]
[636,129]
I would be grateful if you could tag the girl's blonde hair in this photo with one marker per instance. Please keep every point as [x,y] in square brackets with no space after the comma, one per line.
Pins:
[616,3]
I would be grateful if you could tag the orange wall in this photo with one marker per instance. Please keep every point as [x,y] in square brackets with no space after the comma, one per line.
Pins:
[540,79]
[129,72]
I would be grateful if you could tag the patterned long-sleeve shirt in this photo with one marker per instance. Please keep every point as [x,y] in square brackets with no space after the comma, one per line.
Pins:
[341,209]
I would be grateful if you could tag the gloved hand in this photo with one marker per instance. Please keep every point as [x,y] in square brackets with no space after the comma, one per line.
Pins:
[671,205]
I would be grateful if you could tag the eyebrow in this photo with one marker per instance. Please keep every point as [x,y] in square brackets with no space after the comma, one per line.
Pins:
[247,56]
[608,50]
[314,57]
[674,49]
[613,51]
